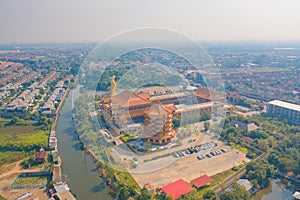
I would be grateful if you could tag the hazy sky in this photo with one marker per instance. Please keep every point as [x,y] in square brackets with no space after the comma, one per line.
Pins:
[95,20]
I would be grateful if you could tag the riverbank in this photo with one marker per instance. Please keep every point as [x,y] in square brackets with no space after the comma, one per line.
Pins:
[79,168]
[57,178]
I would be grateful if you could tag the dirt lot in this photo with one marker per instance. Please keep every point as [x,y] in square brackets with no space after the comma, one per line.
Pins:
[7,179]
[187,167]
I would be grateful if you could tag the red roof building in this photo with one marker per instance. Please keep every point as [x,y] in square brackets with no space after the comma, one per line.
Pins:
[41,156]
[201,181]
[177,188]
[247,139]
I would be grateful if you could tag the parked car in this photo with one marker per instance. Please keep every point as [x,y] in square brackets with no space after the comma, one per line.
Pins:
[195,150]
[208,155]
[223,150]
[199,157]
[135,158]
[249,155]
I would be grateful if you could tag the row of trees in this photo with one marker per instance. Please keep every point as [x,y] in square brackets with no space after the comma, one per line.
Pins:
[189,119]
[237,192]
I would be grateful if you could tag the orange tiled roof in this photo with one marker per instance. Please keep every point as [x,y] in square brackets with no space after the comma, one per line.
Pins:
[205,93]
[144,95]
[106,99]
[129,99]
[160,109]
[41,155]
[135,113]
[232,93]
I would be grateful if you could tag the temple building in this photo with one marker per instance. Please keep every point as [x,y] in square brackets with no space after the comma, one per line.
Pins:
[158,124]
[152,116]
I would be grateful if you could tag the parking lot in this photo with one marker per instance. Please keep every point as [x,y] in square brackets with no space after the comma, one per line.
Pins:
[188,166]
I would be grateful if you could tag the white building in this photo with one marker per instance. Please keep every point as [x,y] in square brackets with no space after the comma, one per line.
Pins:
[285,110]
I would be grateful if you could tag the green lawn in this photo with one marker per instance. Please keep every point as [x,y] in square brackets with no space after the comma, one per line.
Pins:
[22,137]
[31,181]
[127,179]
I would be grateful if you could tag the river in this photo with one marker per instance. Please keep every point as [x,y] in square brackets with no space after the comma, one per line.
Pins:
[277,190]
[83,178]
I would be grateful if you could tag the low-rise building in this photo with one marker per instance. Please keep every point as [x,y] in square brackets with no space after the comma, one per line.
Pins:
[62,192]
[177,189]
[246,183]
[201,181]
[41,157]
[244,126]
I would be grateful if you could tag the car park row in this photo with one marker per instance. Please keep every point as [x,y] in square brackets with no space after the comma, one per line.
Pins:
[212,153]
[198,149]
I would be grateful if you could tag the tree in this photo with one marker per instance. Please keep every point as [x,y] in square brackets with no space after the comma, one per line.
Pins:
[192,195]
[176,122]
[259,173]
[205,116]
[210,195]
[162,196]
[14,120]
[206,126]
[145,195]
[148,144]
[125,192]
[238,192]
[287,164]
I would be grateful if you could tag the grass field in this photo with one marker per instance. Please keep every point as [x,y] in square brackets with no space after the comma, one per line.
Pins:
[31,181]
[127,179]
[11,156]
[22,137]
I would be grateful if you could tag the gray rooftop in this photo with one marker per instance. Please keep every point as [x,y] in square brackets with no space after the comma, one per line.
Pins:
[287,105]
[246,183]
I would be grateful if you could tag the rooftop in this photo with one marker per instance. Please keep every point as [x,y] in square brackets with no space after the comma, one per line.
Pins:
[160,109]
[183,107]
[177,188]
[127,99]
[41,155]
[246,183]
[67,195]
[287,105]
[201,181]
[296,195]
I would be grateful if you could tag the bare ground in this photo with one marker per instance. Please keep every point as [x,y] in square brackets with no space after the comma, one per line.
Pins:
[7,178]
